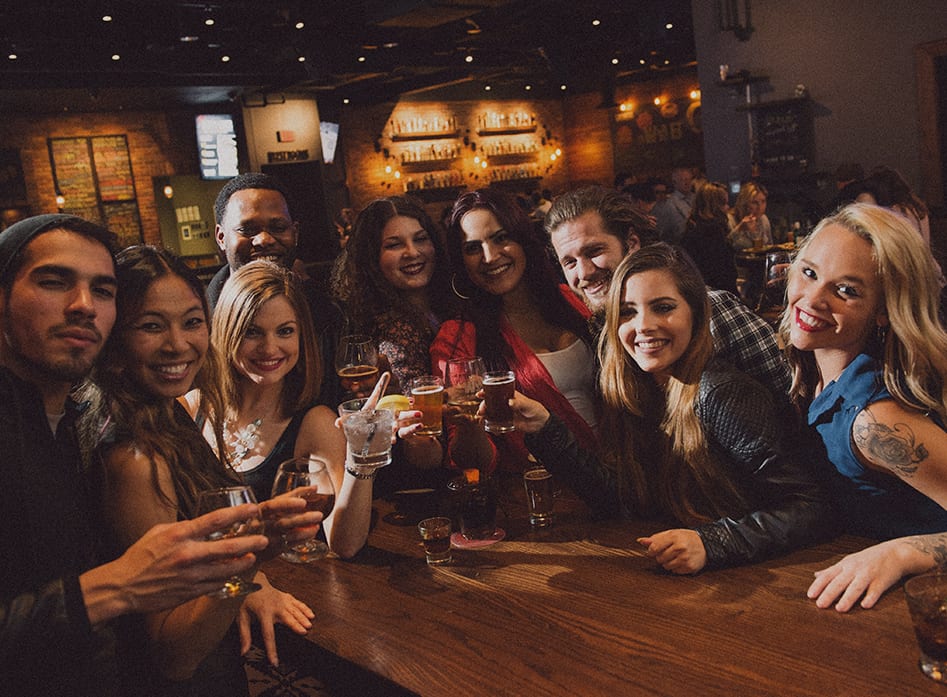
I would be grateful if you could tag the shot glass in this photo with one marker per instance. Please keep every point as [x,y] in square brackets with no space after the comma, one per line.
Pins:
[435,534]
[426,393]
[368,438]
[497,392]
[540,496]
[927,601]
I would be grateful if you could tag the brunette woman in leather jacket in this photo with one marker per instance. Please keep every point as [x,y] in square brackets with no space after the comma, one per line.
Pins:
[690,439]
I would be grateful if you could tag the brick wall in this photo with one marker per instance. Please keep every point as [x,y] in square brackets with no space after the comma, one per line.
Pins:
[159,144]
[367,133]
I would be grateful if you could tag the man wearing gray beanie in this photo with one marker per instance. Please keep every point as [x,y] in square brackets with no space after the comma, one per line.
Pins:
[57,308]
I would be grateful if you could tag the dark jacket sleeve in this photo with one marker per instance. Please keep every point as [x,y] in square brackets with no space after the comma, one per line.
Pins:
[577,468]
[789,506]
[55,610]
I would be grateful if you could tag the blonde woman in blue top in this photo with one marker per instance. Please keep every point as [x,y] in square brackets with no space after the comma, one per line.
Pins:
[869,355]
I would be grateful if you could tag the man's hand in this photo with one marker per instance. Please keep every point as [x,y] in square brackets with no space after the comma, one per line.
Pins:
[171,564]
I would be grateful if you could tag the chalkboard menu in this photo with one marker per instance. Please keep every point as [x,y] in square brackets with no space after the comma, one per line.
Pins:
[94,176]
[783,137]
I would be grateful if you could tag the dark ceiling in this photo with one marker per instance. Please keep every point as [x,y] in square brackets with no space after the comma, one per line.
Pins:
[58,56]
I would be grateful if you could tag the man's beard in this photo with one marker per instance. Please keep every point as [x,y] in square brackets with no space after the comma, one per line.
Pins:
[72,367]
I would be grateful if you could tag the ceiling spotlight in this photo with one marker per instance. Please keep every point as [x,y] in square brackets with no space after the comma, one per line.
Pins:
[361,59]
[300,25]
[468,58]
[116,57]
[528,88]
[346,101]
[209,22]
[596,22]
[642,61]
[667,61]
[668,26]
[614,61]
[301,59]
[106,18]
[562,87]
[12,56]
[487,88]
[225,59]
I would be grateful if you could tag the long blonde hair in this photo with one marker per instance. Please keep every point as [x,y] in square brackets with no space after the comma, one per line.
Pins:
[741,207]
[689,482]
[913,350]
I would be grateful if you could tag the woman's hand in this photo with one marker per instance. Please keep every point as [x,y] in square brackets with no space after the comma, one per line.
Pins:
[867,574]
[529,416]
[269,606]
[749,222]
[680,551]
[287,520]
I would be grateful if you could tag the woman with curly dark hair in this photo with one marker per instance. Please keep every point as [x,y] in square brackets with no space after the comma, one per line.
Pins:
[394,282]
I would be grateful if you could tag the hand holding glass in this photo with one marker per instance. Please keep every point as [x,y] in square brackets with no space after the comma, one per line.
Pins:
[226,497]
[426,393]
[498,389]
[464,381]
[356,363]
[368,438]
[309,479]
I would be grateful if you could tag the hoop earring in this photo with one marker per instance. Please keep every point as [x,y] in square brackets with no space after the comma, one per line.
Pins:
[453,287]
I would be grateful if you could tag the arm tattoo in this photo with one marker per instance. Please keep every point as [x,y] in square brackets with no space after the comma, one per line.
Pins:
[894,447]
[935,545]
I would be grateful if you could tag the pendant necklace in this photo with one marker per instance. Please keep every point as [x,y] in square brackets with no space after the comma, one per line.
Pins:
[242,442]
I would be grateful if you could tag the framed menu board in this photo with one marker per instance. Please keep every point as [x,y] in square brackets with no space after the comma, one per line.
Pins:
[93,174]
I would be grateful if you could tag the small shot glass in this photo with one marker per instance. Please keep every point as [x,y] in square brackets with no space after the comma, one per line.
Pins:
[435,534]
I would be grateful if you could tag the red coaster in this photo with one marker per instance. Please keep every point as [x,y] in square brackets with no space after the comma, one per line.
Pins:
[458,541]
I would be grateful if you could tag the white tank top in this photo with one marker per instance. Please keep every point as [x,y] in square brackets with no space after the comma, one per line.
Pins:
[573,371]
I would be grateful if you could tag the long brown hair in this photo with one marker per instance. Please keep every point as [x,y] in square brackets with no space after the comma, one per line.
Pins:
[158,427]
[661,454]
[540,277]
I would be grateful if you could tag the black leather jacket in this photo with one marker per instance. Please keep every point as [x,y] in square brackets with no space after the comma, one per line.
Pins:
[764,447]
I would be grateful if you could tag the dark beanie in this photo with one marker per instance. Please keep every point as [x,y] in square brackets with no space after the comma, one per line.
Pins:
[15,237]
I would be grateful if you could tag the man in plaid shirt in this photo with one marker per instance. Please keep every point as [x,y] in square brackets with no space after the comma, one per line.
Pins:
[592,229]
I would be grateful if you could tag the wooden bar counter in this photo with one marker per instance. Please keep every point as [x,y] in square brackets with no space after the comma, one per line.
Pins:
[577,609]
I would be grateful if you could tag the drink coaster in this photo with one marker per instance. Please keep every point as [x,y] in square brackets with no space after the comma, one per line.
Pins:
[458,541]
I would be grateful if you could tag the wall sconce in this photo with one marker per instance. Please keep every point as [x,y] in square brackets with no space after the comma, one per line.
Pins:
[734,15]
[168,191]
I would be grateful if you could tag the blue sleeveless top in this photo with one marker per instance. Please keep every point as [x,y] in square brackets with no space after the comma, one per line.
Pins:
[874,504]
[261,477]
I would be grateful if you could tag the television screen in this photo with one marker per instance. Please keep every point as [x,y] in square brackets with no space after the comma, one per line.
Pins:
[330,137]
[217,146]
